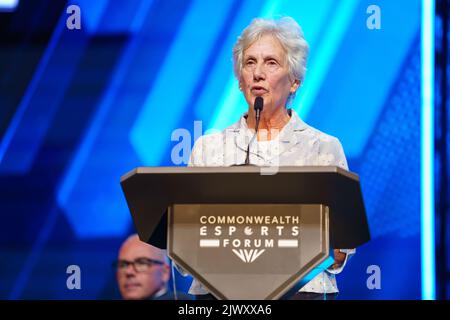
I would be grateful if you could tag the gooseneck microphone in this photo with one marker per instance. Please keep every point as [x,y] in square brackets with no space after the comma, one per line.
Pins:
[258,106]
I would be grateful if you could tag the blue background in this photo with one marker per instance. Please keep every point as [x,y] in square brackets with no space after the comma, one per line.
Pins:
[79,108]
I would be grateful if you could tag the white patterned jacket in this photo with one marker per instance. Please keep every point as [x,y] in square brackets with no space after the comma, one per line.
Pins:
[297,144]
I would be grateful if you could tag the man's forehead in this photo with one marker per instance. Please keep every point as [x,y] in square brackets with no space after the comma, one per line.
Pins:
[137,249]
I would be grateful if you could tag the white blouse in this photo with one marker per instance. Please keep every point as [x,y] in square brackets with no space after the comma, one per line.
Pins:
[296,144]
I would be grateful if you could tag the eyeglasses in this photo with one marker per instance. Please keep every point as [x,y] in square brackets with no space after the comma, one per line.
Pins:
[139,264]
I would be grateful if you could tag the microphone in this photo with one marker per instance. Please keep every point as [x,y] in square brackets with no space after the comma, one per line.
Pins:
[258,107]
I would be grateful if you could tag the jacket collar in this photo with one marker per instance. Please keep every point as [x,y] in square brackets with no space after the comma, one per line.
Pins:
[287,138]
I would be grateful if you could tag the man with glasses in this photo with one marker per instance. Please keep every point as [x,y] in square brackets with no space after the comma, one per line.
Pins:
[143,272]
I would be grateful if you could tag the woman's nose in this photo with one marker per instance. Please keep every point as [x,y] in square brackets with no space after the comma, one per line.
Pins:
[258,73]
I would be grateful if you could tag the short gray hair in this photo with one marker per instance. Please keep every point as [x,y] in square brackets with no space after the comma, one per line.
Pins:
[290,35]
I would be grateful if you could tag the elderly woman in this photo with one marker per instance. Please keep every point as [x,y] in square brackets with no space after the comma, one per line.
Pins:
[270,62]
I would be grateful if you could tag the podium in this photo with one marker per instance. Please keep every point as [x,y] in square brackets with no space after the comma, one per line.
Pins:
[242,233]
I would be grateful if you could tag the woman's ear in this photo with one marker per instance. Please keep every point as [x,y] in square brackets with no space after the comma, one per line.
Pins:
[241,82]
[295,85]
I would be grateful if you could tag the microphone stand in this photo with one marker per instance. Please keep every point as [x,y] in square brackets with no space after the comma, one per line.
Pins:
[258,115]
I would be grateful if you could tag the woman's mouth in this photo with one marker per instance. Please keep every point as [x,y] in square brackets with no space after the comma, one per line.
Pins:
[258,91]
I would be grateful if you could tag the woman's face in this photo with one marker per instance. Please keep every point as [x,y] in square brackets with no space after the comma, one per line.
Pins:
[265,73]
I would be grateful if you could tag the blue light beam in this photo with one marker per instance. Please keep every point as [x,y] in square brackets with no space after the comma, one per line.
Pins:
[427,152]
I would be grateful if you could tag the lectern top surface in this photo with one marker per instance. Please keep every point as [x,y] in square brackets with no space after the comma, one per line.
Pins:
[240,169]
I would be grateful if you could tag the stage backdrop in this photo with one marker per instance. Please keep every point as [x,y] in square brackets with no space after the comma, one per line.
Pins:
[79,107]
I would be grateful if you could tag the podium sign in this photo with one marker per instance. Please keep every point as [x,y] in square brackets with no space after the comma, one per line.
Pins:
[265,249]
[242,234]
